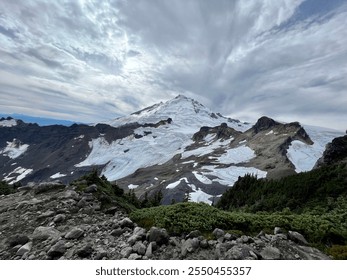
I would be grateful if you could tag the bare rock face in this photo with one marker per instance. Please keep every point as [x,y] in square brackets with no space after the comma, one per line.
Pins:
[85,234]
[336,152]
[264,123]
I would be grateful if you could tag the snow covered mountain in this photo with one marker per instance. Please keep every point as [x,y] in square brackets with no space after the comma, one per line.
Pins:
[179,147]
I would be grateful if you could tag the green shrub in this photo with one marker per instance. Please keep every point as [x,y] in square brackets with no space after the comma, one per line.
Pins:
[6,188]
[326,229]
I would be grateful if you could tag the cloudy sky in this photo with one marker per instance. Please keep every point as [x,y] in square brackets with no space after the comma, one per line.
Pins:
[95,60]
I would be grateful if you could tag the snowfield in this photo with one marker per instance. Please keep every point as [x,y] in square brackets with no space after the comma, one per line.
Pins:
[228,176]
[303,156]
[14,149]
[237,155]
[123,157]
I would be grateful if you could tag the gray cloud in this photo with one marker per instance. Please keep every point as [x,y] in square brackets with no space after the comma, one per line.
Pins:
[95,60]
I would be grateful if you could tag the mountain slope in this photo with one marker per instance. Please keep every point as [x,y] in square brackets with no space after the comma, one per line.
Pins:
[179,147]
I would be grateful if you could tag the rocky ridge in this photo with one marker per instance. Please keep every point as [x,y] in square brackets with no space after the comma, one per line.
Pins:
[336,152]
[54,221]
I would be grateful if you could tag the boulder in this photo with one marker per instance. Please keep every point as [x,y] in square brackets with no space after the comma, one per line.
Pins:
[91,189]
[47,186]
[43,233]
[135,256]
[218,233]
[159,235]
[74,233]
[278,230]
[297,237]
[193,234]
[85,251]
[270,253]
[17,239]
[126,222]
[189,246]
[58,249]
[59,218]
[139,248]
[125,253]
[26,248]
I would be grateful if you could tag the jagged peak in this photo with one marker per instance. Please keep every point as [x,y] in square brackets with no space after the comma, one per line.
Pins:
[264,123]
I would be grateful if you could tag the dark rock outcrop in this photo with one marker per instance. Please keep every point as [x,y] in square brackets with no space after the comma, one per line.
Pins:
[335,152]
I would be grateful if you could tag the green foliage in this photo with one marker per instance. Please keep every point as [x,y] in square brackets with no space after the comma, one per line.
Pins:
[339,252]
[325,229]
[109,194]
[6,188]
[298,192]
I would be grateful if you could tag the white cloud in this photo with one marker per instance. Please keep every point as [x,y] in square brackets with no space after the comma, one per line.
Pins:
[93,60]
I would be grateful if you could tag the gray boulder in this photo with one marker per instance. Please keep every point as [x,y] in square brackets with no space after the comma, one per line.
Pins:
[17,239]
[43,233]
[159,235]
[85,251]
[139,248]
[125,253]
[58,249]
[297,237]
[270,253]
[135,256]
[24,249]
[91,189]
[74,233]
[59,218]
[189,246]
[193,234]
[126,222]
[218,233]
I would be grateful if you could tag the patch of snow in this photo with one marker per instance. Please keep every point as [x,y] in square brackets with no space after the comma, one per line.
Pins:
[175,184]
[237,155]
[243,142]
[202,178]
[23,172]
[8,123]
[209,137]
[131,186]
[199,196]
[153,150]
[155,178]
[304,156]
[270,132]
[57,175]
[205,150]
[14,149]
[79,137]
[228,176]
[189,161]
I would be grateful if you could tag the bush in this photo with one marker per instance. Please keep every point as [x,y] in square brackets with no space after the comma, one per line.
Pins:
[6,188]
[181,218]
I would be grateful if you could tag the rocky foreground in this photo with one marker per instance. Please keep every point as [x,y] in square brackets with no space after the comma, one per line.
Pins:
[54,221]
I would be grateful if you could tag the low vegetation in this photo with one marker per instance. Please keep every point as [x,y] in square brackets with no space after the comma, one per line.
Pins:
[111,195]
[6,188]
[317,190]
[313,203]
